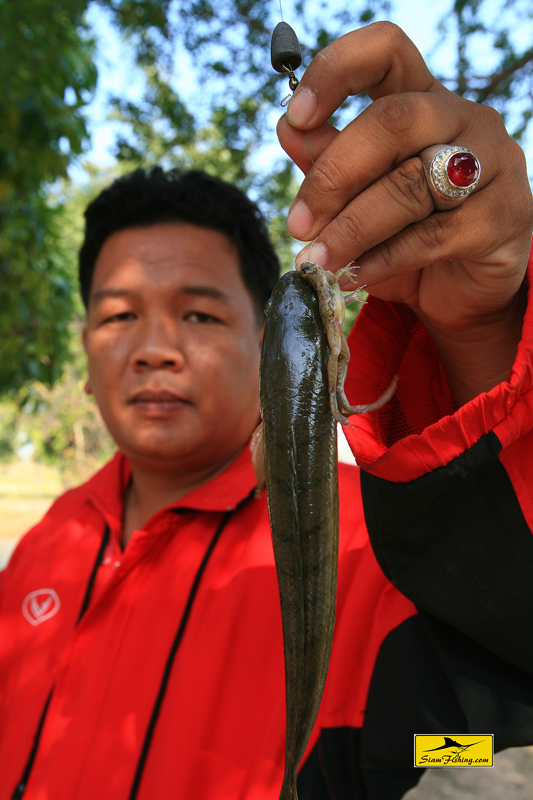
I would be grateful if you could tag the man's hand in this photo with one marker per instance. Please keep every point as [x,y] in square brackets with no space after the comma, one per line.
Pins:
[365,198]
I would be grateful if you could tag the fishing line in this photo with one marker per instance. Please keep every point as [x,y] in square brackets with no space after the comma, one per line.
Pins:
[286,57]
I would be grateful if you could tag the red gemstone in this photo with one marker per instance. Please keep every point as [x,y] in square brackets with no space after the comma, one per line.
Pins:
[463,169]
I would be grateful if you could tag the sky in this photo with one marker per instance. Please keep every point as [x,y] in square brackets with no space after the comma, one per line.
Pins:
[418,18]
[115,65]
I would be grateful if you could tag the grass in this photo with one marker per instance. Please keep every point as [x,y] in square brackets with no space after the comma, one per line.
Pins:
[26,491]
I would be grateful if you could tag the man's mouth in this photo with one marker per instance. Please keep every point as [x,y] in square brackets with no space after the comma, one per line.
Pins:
[158,402]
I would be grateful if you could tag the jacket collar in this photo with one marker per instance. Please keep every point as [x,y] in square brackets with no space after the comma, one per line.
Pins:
[222,493]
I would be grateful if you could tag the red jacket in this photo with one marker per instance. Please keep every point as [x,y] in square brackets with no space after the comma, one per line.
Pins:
[157,672]
[221,729]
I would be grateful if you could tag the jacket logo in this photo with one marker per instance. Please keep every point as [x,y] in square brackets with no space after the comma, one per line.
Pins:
[40,605]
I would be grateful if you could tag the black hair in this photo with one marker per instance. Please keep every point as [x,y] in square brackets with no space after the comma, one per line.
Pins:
[152,197]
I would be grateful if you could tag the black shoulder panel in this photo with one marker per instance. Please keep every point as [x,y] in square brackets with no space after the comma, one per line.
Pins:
[333,771]
[428,678]
[456,543]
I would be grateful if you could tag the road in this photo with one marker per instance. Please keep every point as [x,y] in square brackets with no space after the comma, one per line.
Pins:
[511,778]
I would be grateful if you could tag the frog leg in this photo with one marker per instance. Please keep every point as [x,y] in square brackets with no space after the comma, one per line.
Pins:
[363,409]
[357,295]
[335,340]
[345,272]
[331,307]
[342,401]
[342,369]
[344,358]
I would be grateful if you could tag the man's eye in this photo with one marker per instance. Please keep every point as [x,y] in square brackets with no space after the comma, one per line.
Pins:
[122,317]
[201,318]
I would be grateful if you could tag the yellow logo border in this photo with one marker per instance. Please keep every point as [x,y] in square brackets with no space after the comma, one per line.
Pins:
[438,750]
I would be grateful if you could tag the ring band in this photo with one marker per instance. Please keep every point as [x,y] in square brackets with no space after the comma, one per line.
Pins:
[452,173]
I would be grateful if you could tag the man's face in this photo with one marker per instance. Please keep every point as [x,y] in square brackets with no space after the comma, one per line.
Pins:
[173,346]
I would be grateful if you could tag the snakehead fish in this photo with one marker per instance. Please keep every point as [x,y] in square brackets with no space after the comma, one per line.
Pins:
[303,365]
[300,450]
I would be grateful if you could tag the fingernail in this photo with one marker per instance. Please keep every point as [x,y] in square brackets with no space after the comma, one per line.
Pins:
[316,253]
[301,108]
[299,221]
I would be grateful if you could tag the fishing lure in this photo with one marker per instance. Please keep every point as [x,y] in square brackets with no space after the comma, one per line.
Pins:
[285,55]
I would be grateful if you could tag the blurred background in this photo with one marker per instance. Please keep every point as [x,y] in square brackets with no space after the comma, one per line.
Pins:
[91,90]
[94,89]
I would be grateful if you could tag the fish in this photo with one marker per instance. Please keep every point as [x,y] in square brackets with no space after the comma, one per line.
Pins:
[303,365]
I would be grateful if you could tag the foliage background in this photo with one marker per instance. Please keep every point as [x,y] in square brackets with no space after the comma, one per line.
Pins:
[183,83]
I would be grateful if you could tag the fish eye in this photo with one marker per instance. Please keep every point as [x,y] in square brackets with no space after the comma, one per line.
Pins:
[268,306]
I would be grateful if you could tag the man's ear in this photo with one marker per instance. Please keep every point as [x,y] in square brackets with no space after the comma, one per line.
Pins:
[261,334]
[87,387]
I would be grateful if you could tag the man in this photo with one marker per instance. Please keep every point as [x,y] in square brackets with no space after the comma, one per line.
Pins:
[208,325]
[141,636]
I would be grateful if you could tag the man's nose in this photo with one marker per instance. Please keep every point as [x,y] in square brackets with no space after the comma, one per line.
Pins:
[158,347]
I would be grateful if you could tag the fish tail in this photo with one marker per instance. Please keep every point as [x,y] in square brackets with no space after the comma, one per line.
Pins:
[288,787]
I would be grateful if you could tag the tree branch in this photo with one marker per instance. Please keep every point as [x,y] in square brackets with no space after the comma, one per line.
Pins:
[497,78]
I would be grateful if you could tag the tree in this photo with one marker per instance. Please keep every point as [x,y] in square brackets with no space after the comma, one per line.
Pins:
[228,42]
[226,120]
[219,117]
[494,61]
[61,423]
[47,76]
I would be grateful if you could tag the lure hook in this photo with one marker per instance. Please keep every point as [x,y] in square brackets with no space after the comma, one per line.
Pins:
[293,83]
[286,55]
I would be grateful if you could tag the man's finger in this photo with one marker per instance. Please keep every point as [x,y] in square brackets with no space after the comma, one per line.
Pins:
[440,239]
[304,148]
[400,198]
[379,59]
[386,134]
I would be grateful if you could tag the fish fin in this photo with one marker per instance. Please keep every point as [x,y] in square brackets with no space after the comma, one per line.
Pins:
[257,449]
